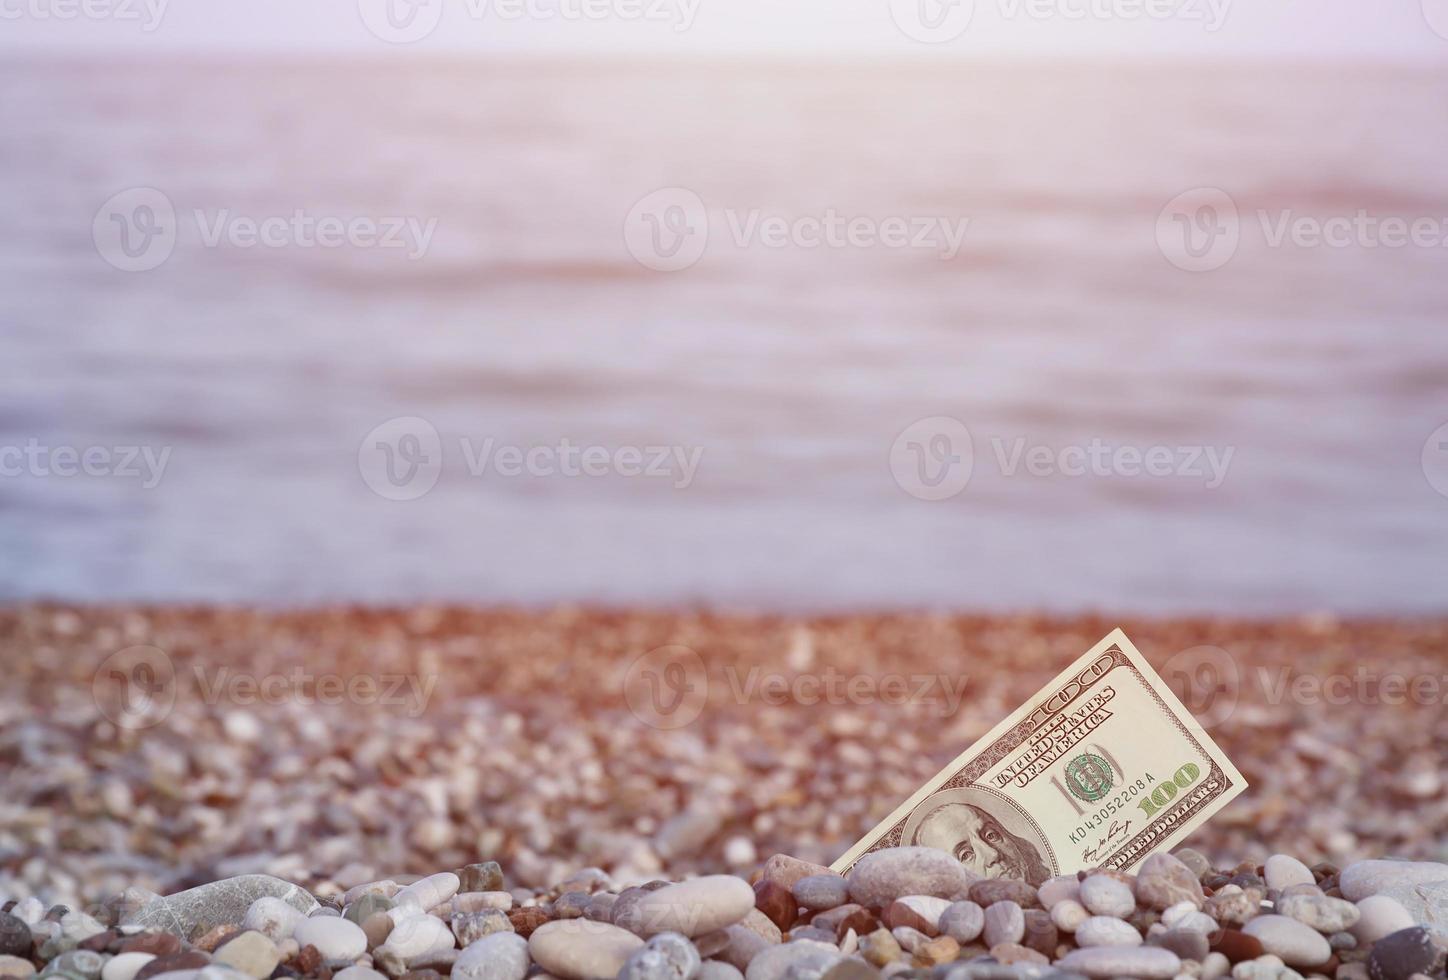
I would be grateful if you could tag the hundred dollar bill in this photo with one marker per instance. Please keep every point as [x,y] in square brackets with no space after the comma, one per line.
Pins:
[1103,767]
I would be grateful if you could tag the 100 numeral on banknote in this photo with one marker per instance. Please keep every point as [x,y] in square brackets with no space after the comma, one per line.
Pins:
[1101,769]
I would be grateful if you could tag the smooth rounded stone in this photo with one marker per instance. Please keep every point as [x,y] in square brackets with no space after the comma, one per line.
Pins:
[366,906]
[880,877]
[1364,878]
[1233,905]
[469,927]
[1406,953]
[743,945]
[814,933]
[428,892]
[335,939]
[1107,962]
[486,876]
[987,893]
[718,970]
[417,935]
[358,973]
[1284,871]
[1059,889]
[1069,914]
[1340,941]
[251,953]
[272,917]
[1266,967]
[851,968]
[581,949]
[667,956]
[1105,930]
[155,943]
[1005,922]
[921,912]
[200,909]
[1295,943]
[800,959]
[125,966]
[1379,916]
[832,918]
[962,921]
[1106,896]
[378,927]
[502,901]
[820,892]
[175,962]
[501,956]
[694,907]
[1186,943]
[1195,860]
[15,937]
[83,963]
[1215,966]
[787,870]
[1326,915]
[18,967]
[1163,881]
[776,902]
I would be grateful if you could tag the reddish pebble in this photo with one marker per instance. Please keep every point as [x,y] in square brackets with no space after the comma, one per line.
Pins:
[155,943]
[776,902]
[525,920]
[1236,946]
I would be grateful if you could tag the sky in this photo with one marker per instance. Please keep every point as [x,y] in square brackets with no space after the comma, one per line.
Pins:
[1334,30]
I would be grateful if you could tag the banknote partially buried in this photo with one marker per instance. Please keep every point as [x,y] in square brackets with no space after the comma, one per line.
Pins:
[1101,768]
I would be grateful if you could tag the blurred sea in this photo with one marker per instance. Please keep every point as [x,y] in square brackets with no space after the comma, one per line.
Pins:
[527,321]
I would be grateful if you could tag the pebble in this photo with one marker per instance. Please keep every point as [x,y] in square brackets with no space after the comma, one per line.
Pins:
[880,877]
[1005,922]
[417,935]
[428,892]
[1186,943]
[1058,889]
[251,953]
[1103,930]
[962,921]
[198,910]
[987,893]
[666,956]
[718,970]
[469,927]
[694,907]
[796,960]
[787,870]
[1107,962]
[1164,880]
[1406,953]
[501,956]
[358,973]
[820,892]
[775,901]
[486,876]
[334,938]
[1326,915]
[19,967]
[1068,915]
[1380,916]
[272,917]
[1364,878]
[1283,871]
[1195,860]
[580,949]
[921,912]
[15,938]
[1295,943]
[1106,896]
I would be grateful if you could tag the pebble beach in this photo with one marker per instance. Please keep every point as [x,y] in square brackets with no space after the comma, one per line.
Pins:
[492,803]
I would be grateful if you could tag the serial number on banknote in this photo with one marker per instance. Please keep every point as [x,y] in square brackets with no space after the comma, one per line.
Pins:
[1112,806]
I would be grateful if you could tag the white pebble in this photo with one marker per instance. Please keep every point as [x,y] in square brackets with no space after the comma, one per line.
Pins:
[429,892]
[1068,915]
[1284,871]
[125,965]
[1106,930]
[272,917]
[417,935]
[1381,916]
[1107,896]
[335,938]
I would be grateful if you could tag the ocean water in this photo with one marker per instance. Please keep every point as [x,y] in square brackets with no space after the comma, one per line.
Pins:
[1313,375]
